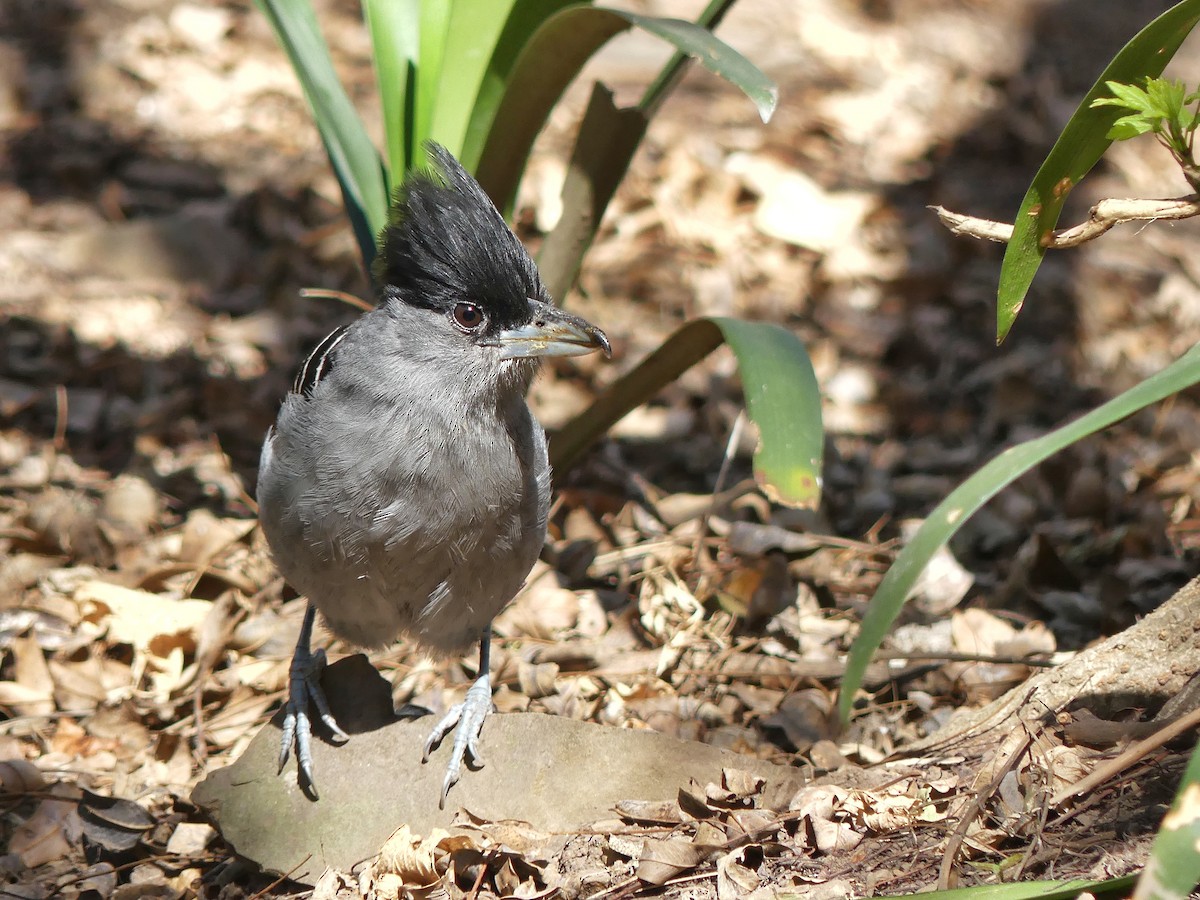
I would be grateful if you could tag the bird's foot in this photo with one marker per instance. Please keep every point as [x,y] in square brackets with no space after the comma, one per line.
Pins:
[304,687]
[469,717]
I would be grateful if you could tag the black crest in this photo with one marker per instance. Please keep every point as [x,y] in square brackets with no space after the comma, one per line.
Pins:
[447,243]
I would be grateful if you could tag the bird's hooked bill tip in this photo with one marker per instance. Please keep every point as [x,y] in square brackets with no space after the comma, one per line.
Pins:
[557,335]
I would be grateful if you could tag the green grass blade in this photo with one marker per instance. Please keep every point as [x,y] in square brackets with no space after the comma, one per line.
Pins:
[673,71]
[1174,866]
[781,397]
[524,19]
[395,43]
[607,139]
[1023,890]
[551,60]
[355,161]
[1081,144]
[434,33]
[472,33]
[715,55]
[969,496]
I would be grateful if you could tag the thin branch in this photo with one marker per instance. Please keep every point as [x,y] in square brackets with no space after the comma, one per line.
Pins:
[1103,216]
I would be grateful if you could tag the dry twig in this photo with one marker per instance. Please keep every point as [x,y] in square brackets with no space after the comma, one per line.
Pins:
[1103,216]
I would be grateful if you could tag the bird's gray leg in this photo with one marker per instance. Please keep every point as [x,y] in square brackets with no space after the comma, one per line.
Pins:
[304,686]
[468,716]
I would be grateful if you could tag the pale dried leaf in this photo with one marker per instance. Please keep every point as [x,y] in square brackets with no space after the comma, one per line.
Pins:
[660,861]
[19,776]
[34,676]
[406,862]
[52,832]
[734,879]
[138,617]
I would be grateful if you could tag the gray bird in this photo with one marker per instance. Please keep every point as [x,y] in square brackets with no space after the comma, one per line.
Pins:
[405,486]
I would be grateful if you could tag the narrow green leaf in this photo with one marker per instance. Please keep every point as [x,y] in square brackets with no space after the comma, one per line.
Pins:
[551,60]
[670,74]
[355,161]
[969,496]
[1023,890]
[772,361]
[395,43]
[524,19]
[1082,142]
[1173,869]
[607,139]
[434,33]
[473,30]
[716,56]
[781,398]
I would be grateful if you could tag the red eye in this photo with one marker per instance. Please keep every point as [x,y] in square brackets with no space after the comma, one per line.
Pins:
[468,316]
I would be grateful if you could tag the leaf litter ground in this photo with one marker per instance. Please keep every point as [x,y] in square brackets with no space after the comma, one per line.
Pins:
[164,200]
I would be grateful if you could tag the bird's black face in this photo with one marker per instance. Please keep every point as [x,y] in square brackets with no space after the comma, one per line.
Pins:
[448,251]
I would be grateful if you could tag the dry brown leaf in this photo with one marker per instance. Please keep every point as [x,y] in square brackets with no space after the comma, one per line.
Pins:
[660,861]
[138,618]
[19,696]
[204,536]
[734,879]
[537,680]
[52,832]
[33,675]
[90,682]
[406,865]
[824,818]
[19,776]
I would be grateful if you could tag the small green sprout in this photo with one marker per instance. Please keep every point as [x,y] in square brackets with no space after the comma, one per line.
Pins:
[1163,108]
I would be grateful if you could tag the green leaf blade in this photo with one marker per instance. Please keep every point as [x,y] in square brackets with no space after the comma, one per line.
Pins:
[715,55]
[394,27]
[973,493]
[522,22]
[354,159]
[553,57]
[472,33]
[1081,144]
[781,398]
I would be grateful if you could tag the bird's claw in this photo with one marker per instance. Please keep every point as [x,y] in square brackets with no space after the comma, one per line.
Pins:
[469,717]
[304,687]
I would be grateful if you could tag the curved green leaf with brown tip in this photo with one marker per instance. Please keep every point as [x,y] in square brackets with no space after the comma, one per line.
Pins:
[782,399]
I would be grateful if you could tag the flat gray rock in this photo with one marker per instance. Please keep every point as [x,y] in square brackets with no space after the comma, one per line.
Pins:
[558,775]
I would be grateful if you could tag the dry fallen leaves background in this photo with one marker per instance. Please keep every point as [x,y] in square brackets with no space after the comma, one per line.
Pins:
[163,200]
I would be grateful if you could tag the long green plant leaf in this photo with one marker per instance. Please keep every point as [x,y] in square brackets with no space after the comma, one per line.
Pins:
[434,34]
[355,161]
[473,32]
[553,57]
[969,496]
[670,74]
[782,399]
[486,91]
[605,144]
[1173,869]
[607,139]
[395,49]
[1081,144]
[1022,890]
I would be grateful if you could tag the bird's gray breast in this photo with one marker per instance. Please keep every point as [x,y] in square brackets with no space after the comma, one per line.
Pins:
[398,520]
